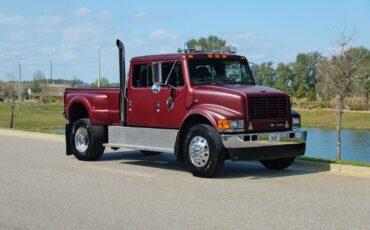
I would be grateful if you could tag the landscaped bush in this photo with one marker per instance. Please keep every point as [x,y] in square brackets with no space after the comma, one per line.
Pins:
[359,107]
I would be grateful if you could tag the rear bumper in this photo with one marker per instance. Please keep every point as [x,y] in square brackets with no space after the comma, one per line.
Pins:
[260,146]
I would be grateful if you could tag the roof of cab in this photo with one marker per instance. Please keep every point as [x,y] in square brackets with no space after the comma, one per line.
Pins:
[163,57]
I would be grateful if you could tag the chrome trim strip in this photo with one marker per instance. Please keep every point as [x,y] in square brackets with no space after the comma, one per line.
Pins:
[246,140]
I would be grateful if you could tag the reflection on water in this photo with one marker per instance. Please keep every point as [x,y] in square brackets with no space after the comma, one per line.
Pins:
[321,143]
[355,144]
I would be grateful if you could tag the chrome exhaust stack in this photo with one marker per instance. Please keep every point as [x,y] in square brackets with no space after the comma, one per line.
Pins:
[122,80]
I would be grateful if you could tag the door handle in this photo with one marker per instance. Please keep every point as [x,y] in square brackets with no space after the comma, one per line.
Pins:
[158,106]
[129,105]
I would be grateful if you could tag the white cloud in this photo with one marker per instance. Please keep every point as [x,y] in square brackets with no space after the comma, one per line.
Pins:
[11,20]
[68,55]
[15,36]
[50,20]
[82,11]
[47,50]
[79,33]
[162,35]
[140,15]
[104,15]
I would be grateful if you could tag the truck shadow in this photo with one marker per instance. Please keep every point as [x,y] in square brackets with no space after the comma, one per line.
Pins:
[167,161]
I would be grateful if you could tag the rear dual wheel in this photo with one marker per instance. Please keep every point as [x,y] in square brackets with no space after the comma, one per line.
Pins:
[87,140]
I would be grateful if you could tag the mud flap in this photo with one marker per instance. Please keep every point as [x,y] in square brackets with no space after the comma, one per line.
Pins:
[68,139]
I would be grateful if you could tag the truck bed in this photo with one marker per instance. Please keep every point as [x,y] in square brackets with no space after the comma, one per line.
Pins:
[101,104]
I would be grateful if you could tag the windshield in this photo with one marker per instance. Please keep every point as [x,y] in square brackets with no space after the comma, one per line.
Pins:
[219,71]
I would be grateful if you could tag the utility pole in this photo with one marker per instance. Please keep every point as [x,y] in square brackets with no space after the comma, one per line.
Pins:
[51,72]
[19,83]
[98,64]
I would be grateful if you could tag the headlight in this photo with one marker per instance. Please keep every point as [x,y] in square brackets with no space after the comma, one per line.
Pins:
[230,125]
[296,122]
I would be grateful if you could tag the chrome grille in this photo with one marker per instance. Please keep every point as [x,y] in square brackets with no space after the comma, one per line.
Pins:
[267,107]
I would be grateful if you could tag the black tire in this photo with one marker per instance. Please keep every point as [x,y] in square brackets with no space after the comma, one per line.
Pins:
[278,164]
[149,153]
[215,154]
[91,148]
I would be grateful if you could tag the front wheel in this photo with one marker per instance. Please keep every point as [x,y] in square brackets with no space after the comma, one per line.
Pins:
[87,140]
[203,151]
[278,164]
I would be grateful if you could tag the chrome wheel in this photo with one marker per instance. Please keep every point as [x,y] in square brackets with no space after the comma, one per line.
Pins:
[81,140]
[199,151]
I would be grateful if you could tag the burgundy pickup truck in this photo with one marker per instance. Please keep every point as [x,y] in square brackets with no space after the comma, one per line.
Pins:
[203,107]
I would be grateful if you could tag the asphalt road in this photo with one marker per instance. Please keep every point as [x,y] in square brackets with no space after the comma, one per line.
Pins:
[42,188]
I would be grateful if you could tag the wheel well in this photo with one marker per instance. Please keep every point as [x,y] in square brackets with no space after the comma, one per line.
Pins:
[77,111]
[195,120]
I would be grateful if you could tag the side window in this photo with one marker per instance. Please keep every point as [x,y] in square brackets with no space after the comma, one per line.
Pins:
[176,78]
[142,76]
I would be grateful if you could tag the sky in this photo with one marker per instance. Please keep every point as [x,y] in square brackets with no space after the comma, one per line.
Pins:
[34,33]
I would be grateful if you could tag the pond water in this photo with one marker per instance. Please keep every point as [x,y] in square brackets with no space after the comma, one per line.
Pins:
[321,143]
[355,144]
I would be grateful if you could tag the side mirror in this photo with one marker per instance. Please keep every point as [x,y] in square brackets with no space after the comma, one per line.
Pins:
[254,68]
[156,88]
[157,72]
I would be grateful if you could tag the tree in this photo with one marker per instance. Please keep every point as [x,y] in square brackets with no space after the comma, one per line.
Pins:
[210,44]
[305,71]
[266,74]
[336,75]
[104,82]
[10,97]
[361,86]
[38,79]
[284,77]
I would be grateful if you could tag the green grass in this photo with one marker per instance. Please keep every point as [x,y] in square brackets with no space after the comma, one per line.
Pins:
[325,160]
[327,119]
[34,117]
[44,117]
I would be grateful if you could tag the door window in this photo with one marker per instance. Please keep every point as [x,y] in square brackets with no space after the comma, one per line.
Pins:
[142,76]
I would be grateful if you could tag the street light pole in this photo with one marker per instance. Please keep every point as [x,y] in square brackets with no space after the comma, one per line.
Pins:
[51,72]
[19,83]
[98,65]
[99,68]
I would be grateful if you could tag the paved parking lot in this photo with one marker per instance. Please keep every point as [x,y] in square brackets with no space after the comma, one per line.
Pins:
[42,188]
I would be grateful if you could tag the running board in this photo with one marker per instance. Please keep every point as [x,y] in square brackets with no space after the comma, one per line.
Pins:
[160,140]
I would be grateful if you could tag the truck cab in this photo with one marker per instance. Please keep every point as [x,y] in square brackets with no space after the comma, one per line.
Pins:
[204,107]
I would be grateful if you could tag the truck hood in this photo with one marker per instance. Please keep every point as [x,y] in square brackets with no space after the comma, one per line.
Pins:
[249,90]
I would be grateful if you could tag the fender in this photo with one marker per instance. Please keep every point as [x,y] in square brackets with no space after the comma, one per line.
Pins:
[95,104]
[213,113]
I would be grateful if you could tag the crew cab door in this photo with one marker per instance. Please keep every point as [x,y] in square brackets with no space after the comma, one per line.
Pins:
[141,101]
[170,101]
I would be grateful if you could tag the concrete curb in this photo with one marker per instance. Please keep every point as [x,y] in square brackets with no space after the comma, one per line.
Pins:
[334,168]
[34,135]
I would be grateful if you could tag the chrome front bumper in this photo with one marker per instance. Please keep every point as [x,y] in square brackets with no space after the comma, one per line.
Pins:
[258,146]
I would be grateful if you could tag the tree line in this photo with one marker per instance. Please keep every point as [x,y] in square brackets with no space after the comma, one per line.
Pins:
[305,77]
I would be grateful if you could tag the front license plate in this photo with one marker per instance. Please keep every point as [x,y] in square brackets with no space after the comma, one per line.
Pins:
[274,137]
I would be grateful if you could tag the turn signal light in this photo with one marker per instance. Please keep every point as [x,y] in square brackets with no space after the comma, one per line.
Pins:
[223,124]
